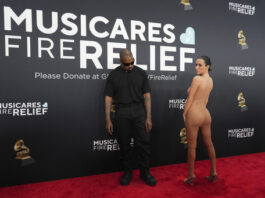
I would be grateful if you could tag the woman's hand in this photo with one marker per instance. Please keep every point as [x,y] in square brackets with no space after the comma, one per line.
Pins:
[184,117]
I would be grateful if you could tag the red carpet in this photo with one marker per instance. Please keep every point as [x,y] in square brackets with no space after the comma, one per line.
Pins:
[238,177]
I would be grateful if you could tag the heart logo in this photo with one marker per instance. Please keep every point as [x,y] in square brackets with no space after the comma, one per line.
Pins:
[45,105]
[188,37]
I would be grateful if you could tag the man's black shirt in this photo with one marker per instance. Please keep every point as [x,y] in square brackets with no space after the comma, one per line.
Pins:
[127,87]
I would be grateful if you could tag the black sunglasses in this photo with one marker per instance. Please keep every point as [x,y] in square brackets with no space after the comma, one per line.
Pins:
[128,64]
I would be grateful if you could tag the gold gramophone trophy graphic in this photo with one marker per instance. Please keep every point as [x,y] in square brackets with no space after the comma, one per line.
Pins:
[242,40]
[187,5]
[112,110]
[22,153]
[242,102]
[183,137]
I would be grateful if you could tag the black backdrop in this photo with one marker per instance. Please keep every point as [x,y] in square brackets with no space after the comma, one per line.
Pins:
[69,139]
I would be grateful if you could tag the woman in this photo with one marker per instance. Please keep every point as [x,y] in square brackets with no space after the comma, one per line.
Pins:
[196,116]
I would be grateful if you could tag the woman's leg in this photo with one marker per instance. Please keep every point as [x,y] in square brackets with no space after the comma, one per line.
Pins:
[206,136]
[192,133]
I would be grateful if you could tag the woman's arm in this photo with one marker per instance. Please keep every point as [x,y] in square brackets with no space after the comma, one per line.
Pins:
[192,90]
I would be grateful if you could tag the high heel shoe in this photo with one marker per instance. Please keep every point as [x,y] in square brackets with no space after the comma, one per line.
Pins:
[189,180]
[212,178]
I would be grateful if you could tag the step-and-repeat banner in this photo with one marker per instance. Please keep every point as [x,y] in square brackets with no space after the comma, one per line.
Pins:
[55,57]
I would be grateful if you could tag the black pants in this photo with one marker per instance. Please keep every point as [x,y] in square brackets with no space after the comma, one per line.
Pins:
[130,123]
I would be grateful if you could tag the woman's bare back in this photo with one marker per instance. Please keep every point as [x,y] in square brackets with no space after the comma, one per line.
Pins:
[198,114]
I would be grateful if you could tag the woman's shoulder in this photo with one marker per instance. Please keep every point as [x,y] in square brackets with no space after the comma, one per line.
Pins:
[199,78]
[211,79]
[196,79]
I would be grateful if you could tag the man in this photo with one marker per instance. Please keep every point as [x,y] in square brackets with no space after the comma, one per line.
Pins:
[127,86]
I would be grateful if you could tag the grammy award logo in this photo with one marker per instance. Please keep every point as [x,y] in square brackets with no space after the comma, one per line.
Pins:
[242,40]
[187,5]
[242,102]
[112,108]
[183,137]
[23,153]
[112,113]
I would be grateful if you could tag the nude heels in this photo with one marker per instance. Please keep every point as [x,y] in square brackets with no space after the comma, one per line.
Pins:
[212,178]
[190,180]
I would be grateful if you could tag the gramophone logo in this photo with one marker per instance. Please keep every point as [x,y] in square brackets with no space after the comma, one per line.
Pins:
[242,102]
[112,108]
[23,153]
[112,113]
[187,5]
[183,137]
[242,40]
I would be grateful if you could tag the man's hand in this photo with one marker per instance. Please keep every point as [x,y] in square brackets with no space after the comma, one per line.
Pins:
[109,127]
[148,125]
[108,103]
[147,105]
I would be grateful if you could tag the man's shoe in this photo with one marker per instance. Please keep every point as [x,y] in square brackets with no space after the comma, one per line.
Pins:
[148,178]
[126,178]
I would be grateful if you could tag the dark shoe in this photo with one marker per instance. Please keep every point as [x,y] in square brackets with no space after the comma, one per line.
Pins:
[126,178]
[212,178]
[148,178]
